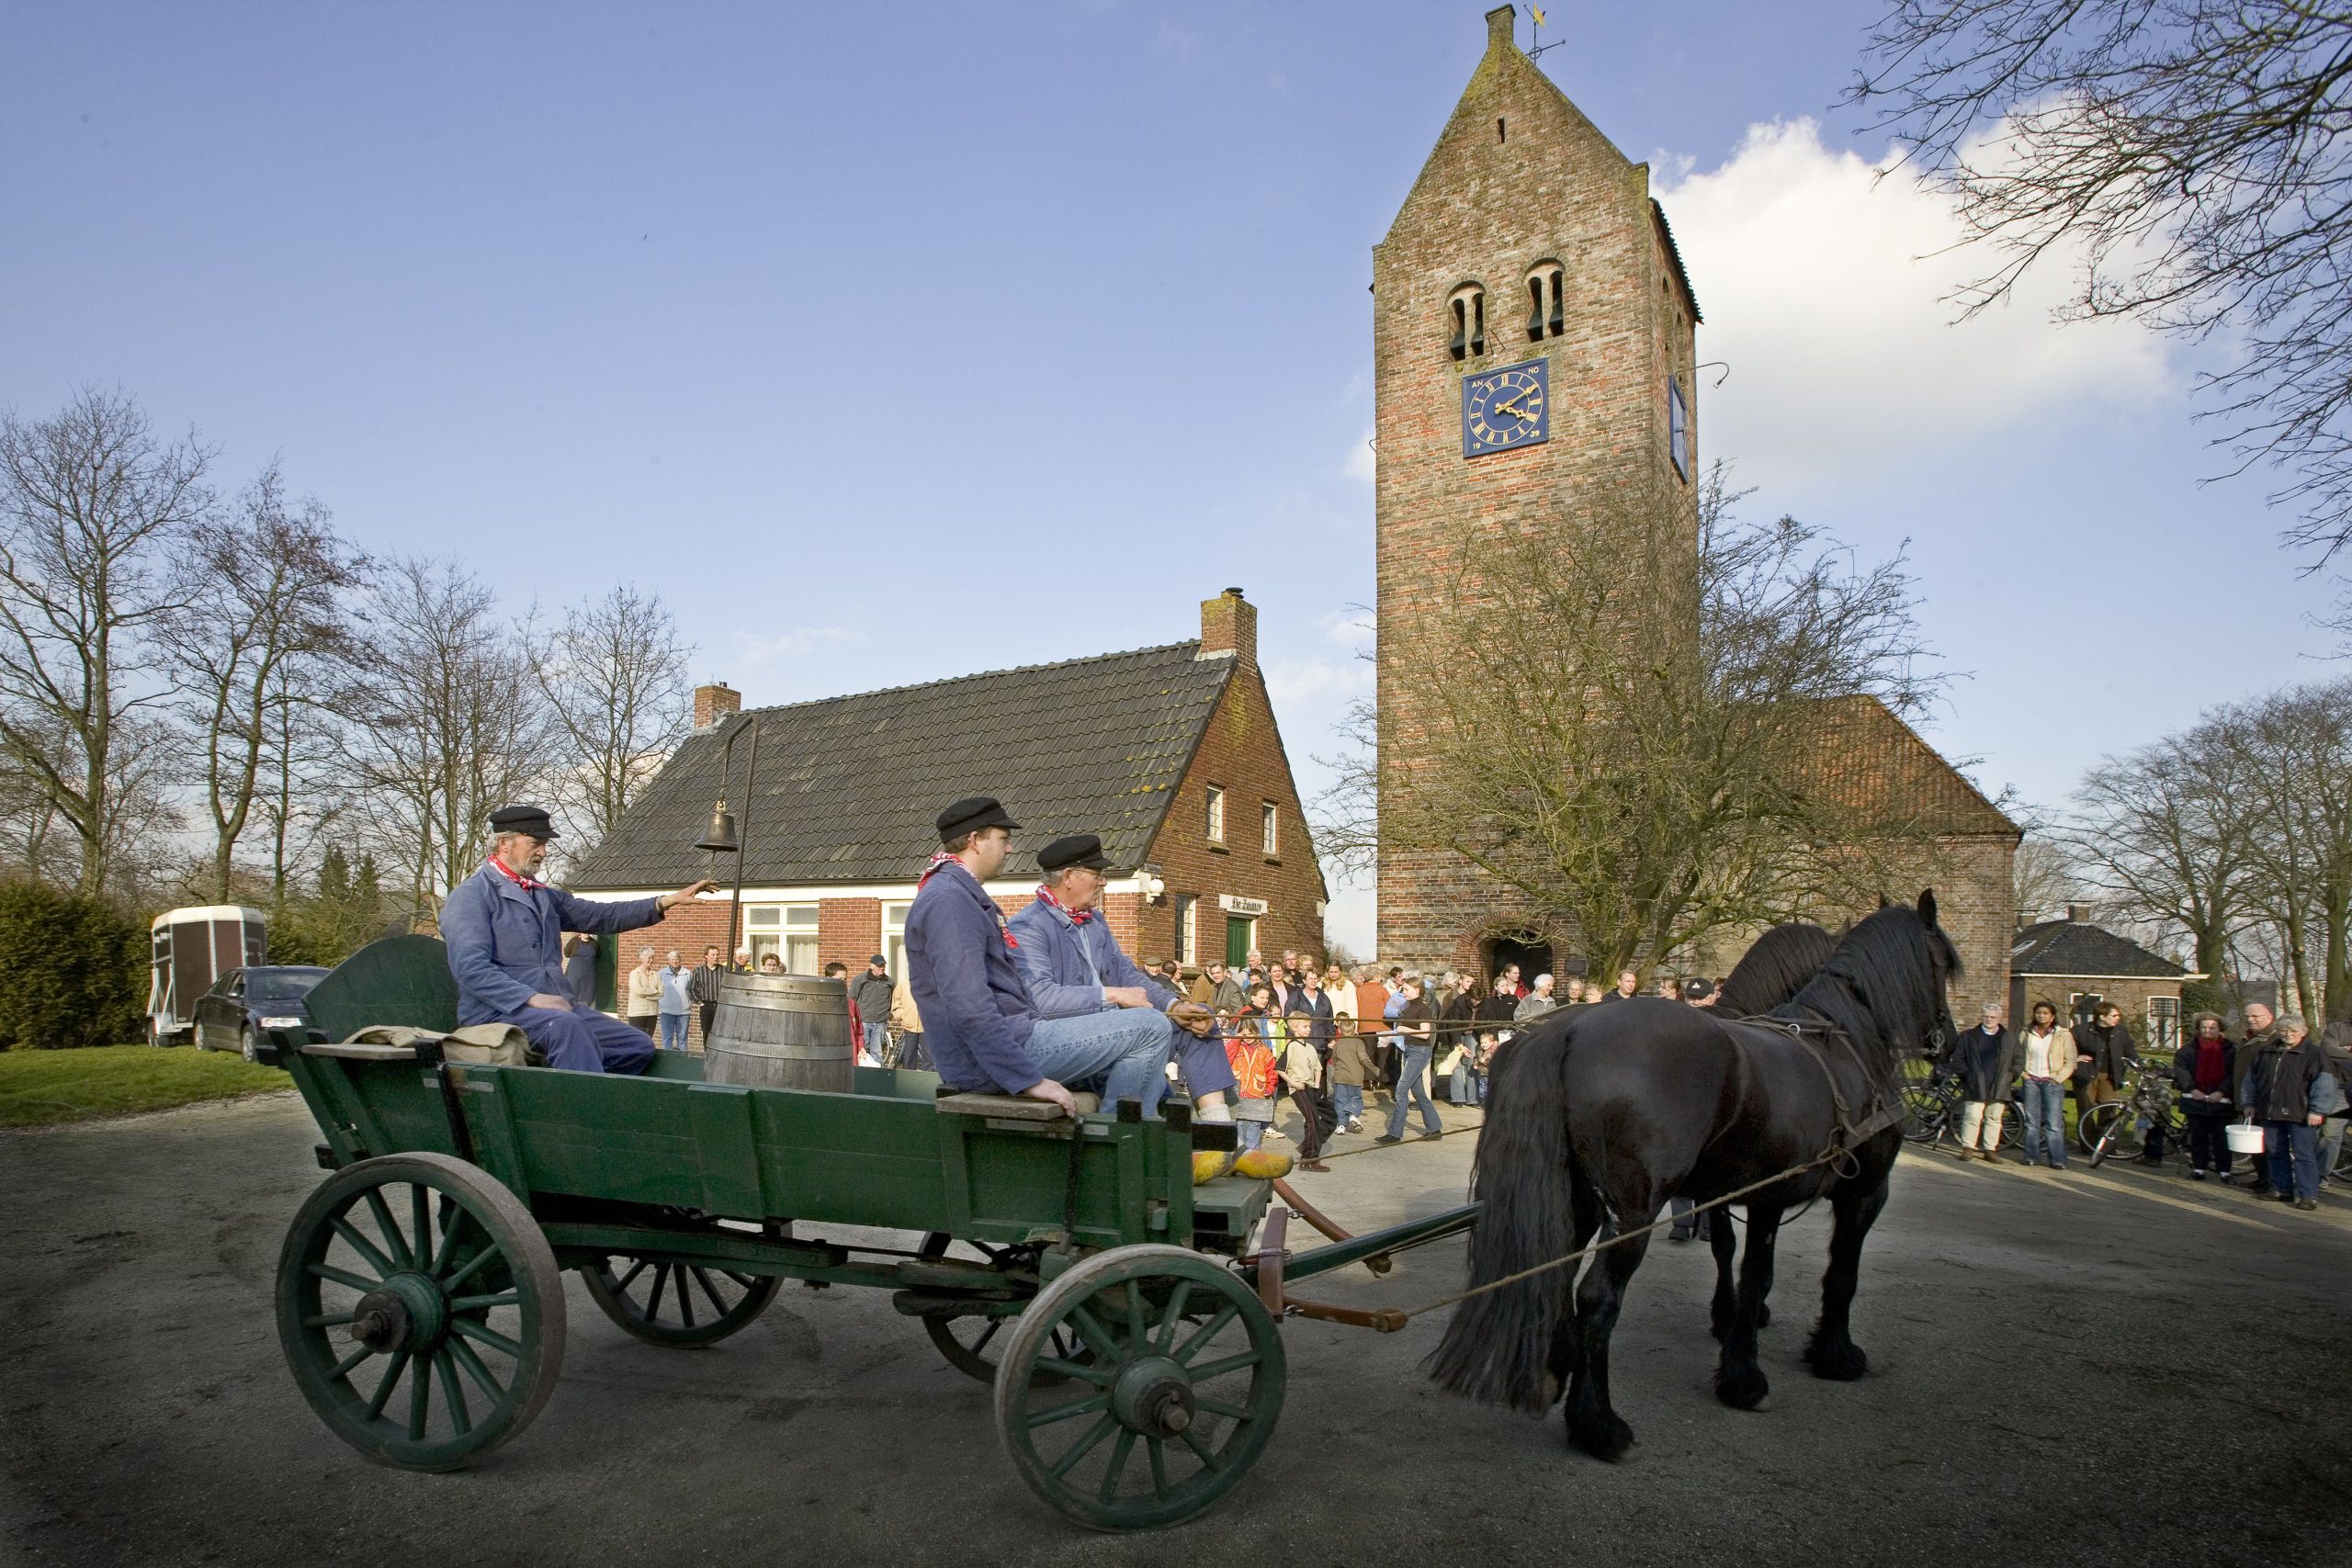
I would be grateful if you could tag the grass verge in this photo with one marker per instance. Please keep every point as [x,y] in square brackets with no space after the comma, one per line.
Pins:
[46,1088]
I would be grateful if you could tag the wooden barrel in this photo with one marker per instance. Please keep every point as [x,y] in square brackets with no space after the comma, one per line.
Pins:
[781,1031]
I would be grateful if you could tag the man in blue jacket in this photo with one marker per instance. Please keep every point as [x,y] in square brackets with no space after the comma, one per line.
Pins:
[1074,969]
[504,931]
[981,1026]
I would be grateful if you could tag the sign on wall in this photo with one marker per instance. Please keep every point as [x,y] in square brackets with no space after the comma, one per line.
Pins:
[1234,903]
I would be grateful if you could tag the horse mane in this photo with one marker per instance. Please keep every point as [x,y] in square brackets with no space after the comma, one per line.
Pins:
[1773,970]
[1880,980]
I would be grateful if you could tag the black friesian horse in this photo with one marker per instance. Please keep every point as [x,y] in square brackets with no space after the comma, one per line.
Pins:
[1601,1116]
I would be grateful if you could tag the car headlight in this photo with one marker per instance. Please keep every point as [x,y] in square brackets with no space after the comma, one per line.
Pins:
[281,1023]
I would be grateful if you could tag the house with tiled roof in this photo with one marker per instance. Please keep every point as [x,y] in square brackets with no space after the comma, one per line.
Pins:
[1171,754]
[2076,966]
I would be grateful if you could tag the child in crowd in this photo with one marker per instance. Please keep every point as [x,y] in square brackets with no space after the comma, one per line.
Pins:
[1301,1071]
[1254,1080]
[1352,1071]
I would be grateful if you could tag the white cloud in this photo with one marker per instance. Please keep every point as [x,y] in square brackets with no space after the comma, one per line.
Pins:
[1825,282]
[1359,466]
[756,650]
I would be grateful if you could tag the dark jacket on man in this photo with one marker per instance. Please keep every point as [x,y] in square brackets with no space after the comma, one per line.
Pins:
[872,994]
[2110,1051]
[1985,1064]
[2279,1079]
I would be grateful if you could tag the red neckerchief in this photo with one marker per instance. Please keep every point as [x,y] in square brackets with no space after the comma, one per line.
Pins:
[943,858]
[516,877]
[1077,917]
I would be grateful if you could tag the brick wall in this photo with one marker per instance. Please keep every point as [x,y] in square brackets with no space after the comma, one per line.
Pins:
[1242,753]
[849,930]
[1518,177]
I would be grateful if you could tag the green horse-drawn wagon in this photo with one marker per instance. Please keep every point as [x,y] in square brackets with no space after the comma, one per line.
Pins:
[1127,1318]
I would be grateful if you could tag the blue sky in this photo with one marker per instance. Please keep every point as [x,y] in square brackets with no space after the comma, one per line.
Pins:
[889,343]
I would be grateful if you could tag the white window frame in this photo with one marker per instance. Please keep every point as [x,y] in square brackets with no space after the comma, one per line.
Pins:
[2163,1023]
[1270,824]
[893,935]
[1215,815]
[1677,428]
[1188,928]
[788,930]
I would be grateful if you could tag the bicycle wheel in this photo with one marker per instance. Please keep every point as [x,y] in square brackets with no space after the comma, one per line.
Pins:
[2106,1132]
[1925,1112]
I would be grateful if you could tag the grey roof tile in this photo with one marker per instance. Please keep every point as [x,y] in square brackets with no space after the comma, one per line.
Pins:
[2076,947]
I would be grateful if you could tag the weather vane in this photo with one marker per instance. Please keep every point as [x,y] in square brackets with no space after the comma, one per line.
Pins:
[1536,32]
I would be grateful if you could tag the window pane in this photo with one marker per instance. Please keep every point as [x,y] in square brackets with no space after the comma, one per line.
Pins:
[1272,833]
[800,954]
[1216,813]
[801,917]
[760,915]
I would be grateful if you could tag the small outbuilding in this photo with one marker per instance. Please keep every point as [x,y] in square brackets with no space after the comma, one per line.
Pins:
[2076,966]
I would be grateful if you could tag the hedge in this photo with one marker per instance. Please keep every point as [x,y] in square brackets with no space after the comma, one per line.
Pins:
[72,970]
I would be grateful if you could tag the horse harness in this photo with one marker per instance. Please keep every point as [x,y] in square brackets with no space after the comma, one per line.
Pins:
[1818,1038]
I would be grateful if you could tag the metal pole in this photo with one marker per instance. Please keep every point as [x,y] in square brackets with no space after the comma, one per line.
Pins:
[743,831]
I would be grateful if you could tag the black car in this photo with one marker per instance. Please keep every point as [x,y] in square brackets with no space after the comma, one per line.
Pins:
[243,1002]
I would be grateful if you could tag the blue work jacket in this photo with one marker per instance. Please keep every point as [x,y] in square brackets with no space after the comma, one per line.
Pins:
[1067,964]
[977,1011]
[506,941]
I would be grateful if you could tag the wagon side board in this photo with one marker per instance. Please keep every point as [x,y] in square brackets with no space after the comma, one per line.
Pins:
[888,1159]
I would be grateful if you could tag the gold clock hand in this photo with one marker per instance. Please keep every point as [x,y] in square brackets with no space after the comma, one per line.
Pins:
[1513,409]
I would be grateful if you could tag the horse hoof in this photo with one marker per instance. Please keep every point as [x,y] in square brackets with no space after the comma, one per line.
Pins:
[1604,1436]
[1841,1361]
[1742,1387]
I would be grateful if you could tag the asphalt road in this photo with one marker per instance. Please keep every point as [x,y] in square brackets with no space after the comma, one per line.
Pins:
[2110,1368]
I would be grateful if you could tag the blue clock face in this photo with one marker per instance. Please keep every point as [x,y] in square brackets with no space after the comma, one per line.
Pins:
[1506,408]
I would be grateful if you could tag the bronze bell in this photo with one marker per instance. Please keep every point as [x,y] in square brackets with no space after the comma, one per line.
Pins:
[720,836]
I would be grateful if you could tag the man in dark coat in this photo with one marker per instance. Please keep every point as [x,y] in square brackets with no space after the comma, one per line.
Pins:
[2103,1055]
[1984,1060]
[2282,1088]
[504,931]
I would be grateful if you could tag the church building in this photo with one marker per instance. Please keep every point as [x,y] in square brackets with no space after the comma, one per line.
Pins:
[1534,345]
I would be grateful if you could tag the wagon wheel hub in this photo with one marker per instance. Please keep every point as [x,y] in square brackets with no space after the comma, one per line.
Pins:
[1153,1396]
[406,1312]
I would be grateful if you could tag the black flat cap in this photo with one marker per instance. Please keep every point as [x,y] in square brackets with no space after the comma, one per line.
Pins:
[970,815]
[1698,988]
[1077,849]
[531,819]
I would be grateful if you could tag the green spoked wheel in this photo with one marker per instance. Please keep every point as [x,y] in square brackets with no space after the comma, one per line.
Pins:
[973,1344]
[420,1309]
[1175,1400]
[678,1304]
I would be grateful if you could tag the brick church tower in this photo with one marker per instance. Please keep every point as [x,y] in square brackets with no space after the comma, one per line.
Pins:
[1533,357]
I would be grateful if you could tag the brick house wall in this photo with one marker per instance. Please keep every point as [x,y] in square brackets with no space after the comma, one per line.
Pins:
[1241,752]
[1518,177]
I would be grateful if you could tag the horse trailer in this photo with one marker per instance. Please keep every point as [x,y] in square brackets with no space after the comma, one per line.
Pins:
[192,948]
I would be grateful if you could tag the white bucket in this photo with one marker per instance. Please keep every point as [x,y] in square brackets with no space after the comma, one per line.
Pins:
[2245,1138]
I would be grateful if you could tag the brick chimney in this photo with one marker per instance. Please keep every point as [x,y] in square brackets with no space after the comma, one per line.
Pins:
[1499,25]
[1229,624]
[715,702]
[2079,913]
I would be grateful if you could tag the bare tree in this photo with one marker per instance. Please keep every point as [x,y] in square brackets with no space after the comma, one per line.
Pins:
[2043,877]
[2297,748]
[449,725]
[254,648]
[93,514]
[2167,832]
[2194,154]
[1637,744]
[614,673]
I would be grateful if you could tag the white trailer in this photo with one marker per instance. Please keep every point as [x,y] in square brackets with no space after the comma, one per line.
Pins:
[192,948]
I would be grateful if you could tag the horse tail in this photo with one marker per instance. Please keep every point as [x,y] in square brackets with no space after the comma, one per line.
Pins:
[1497,1348]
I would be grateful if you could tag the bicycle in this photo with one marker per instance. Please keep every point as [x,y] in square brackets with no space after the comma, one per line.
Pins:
[1932,1110]
[2119,1127]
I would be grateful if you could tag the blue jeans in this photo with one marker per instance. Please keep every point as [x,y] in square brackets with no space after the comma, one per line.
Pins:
[1249,1135]
[1468,1088]
[1347,1099]
[2292,1149]
[877,1040]
[673,1031]
[586,1040]
[1408,1083]
[2045,1123]
[2331,1144]
[1120,1054]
